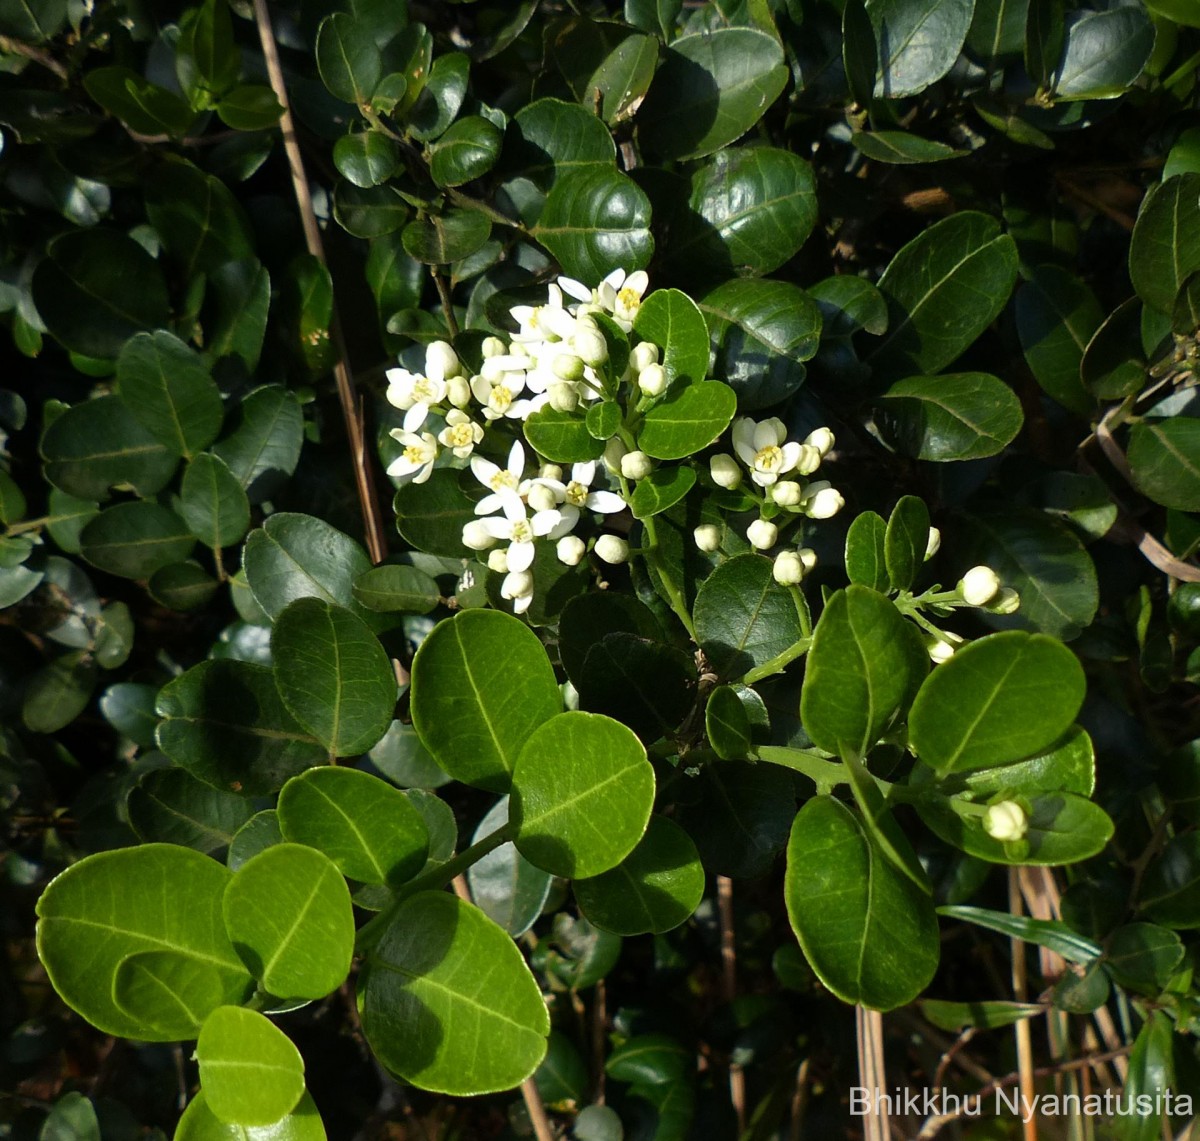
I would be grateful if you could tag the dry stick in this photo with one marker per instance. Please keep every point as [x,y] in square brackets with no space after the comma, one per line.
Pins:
[599,1029]
[871,1073]
[737,1079]
[1024,1041]
[351,406]
[799,1102]
[542,1128]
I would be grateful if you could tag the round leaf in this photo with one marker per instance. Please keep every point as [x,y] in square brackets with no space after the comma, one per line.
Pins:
[443,964]
[173,806]
[447,237]
[251,1072]
[687,421]
[199,1123]
[348,59]
[213,502]
[955,416]
[288,913]
[505,886]
[369,829]
[468,150]
[562,437]
[654,889]
[919,40]
[134,540]
[1001,698]
[119,903]
[171,992]
[671,320]
[481,684]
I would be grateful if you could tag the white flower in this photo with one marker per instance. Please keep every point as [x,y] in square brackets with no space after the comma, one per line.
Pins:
[636,465]
[441,361]
[642,356]
[420,448]
[570,550]
[460,434]
[498,480]
[787,493]
[652,380]
[707,537]
[821,501]
[762,534]
[725,471]
[788,568]
[822,439]
[517,587]
[933,543]
[1006,821]
[622,296]
[760,446]
[544,322]
[577,492]
[520,530]
[979,586]
[407,390]
[476,536]
[612,549]
[499,396]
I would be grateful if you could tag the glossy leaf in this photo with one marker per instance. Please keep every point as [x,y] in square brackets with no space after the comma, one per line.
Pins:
[1104,52]
[744,618]
[727,724]
[562,437]
[660,490]
[901,148]
[1165,249]
[440,239]
[119,903]
[905,541]
[171,992]
[710,90]
[431,515]
[199,1123]
[549,137]
[943,289]
[369,829]
[687,421]
[919,40]
[367,158]
[288,912]
[1164,456]
[172,806]
[468,150]
[395,587]
[654,889]
[505,886]
[865,664]
[263,445]
[866,557]
[251,1072]
[867,930]
[349,62]
[213,503]
[582,819]
[671,320]
[442,963]
[481,685]
[1000,698]
[225,723]
[605,57]
[955,416]
[134,540]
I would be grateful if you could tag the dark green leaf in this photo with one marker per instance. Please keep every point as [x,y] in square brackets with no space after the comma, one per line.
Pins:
[1044,30]
[58,692]
[263,446]
[348,59]
[661,489]
[901,148]
[505,886]
[431,515]
[646,685]
[1164,456]
[954,416]
[394,587]
[919,40]
[1114,362]
[134,540]
[1165,249]
[240,293]
[727,724]
[442,96]
[866,558]
[196,215]
[139,104]
[249,107]
[182,586]
[447,237]
[687,421]
[172,806]
[468,150]
[561,436]
[1104,53]
[213,503]
[553,138]
[608,58]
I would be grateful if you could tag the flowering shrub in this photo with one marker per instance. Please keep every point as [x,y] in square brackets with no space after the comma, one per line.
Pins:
[717,661]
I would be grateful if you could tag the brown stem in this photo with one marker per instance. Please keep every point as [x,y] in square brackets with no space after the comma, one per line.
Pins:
[542,1129]
[737,1079]
[1019,985]
[351,405]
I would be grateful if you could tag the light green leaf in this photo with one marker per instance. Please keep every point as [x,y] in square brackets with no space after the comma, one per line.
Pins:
[581,819]
[481,685]
[954,416]
[867,930]
[661,489]
[687,421]
[369,829]
[671,320]
[905,541]
[72,1118]
[174,993]
[251,1072]
[998,699]
[443,964]
[199,1123]
[288,913]
[118,903]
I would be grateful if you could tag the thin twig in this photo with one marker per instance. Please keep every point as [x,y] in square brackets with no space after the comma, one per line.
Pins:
[542,1129]
[1019,985]
[10,46]
[599,1031]
[447,305]
[351,406]
[799,1102]
[737,1079]
[872,1075]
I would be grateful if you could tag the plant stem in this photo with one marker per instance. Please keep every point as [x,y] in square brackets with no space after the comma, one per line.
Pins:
[826,775]
[777,663]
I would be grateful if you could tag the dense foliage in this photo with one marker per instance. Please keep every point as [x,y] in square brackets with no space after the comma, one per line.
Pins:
[716,486]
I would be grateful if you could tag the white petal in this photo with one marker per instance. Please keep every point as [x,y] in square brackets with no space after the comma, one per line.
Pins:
[606,502]
[520,605]
[791,455]
[544,522]
[764,435]
[488,504]
[616,279]
[516,459]
[637,281]
[402,468]
[496,527]
[415,417]
[514,506]
[584,473]
[763,478]
[520,556]
[569,516]
[576,289]
[426,472]
[743,437]
[484,470]
[522,313]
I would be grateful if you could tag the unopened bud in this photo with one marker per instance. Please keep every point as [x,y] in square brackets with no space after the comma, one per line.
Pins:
[550,471]
[762,535]
[707,536]
[787,492]
[563,397]
[636,465]
[934,543]
[541,498]
[441,361]
[788,568]
[940,652]
[822,501]
[822,439]
[476,536]
[497,560]
[652,380]
[808,461]
[1006,821]
[493,347]
[570,550]
[612,549]
[725,471]
[614,450]
[643,355]
[516,585]
[591,347]
[458,391]
[808,557]
[979,586]
[1007,601]
[567,366]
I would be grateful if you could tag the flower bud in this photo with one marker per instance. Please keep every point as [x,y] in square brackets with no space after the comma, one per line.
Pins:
[979,586]
[707,536]
[788,568]
[762,535]
[612,549]
[476,536]
[1006,821]
[725,471]
[940,652]
[564,397]
[550,471]
[567,366]
[614,450]
[541,498]
[493,347]
[591,347]
[1007,601]
[808,461]
[787,493]
[636,465]
[458,391]
[643,355]
[516,585]
[570,550]
[652,380]
[441,361]
[808,557]
[822,439]
[497,560]
[934,544]
[822,501]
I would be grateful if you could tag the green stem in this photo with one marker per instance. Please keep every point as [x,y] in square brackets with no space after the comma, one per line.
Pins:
[825,774]
[433,879]
[779,662]
[26,525]
[677,601]
[802,612]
